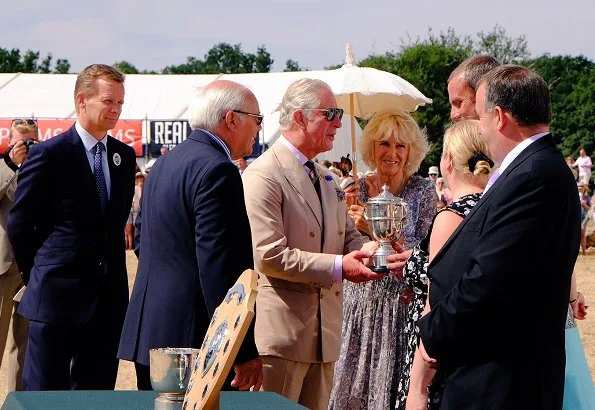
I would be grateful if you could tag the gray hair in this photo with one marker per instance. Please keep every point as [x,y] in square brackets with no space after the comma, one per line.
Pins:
[301,94]
[521,92]
[212,103]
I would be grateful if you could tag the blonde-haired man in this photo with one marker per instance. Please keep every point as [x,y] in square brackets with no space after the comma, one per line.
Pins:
[66,227]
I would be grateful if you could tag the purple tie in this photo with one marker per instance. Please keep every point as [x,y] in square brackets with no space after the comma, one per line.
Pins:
[492,180]
[99,177]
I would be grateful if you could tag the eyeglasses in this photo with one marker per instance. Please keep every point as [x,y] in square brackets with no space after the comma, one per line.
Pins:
[330,113]
[22,121]
[259,117]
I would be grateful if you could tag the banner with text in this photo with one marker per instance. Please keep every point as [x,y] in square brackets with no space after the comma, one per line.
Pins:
[128,131]
[167,133]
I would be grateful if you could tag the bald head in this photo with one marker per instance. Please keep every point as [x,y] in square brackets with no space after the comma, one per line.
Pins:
[213,101]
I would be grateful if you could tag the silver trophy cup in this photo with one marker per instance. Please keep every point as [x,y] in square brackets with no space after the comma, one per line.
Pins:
[386,214]
[170,370]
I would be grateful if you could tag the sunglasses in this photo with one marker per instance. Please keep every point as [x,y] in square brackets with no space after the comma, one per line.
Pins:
[330,113]
[259,117]
[22,121]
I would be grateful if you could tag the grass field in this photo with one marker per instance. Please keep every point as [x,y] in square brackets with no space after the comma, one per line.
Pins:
[586,284]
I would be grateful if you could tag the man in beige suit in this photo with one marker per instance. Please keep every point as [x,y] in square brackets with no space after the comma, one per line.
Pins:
[13,327]
[300,232]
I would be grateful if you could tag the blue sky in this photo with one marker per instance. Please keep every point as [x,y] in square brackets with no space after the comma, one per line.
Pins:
[152,34]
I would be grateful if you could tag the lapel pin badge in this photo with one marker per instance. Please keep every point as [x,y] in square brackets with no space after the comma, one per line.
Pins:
[117,159]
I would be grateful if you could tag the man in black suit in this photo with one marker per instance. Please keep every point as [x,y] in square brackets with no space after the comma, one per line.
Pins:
[67,229]
[194,234]
[513,253]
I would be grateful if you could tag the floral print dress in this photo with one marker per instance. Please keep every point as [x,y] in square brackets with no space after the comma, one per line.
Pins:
[373,337]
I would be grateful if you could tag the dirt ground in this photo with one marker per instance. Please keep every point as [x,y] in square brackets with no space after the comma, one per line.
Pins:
[585,272]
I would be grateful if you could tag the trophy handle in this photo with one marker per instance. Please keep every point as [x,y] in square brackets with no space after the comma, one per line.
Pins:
[182,369]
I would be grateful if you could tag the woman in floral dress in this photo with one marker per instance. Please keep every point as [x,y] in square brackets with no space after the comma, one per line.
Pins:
[373,342]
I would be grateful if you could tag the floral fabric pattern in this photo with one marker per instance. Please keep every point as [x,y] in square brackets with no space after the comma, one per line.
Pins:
[373,337]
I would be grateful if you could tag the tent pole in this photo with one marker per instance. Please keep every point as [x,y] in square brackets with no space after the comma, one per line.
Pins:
[353,145]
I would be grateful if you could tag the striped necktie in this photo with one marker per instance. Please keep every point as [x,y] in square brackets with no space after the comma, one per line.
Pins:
[313,177]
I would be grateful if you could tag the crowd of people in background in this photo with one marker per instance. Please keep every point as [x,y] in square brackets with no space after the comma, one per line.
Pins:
[441,330]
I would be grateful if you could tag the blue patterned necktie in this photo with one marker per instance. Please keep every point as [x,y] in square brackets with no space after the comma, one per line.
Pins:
[99,177]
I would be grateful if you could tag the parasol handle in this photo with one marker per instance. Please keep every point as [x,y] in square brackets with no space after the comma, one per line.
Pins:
[353,144]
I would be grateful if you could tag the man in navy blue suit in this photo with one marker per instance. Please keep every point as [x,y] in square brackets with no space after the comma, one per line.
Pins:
[67,229]
[194,234]
[516,249]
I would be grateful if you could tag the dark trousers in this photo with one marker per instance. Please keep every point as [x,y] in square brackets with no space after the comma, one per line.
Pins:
[143,377]
[72,357]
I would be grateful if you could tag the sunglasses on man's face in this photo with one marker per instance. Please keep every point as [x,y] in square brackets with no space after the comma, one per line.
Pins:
[330,113]
[22,121]
[258,117]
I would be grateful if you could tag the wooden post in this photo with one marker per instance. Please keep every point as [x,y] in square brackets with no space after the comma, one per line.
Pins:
[353,143]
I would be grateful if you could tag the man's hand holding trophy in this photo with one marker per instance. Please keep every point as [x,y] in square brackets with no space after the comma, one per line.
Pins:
[386,214]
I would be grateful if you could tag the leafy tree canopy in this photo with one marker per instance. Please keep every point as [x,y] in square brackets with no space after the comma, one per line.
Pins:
[14,61]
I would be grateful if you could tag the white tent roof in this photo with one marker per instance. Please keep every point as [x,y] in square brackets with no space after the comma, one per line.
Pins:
[157,97]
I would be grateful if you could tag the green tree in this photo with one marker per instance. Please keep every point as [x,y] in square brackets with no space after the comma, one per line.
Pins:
[126,67]
[263,61]
[292,65]
[62,66]
[13,61]
[224,58]
[192,66]
[497,44]
[572,85]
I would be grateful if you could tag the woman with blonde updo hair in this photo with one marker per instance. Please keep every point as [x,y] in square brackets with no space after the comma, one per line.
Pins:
[466,167]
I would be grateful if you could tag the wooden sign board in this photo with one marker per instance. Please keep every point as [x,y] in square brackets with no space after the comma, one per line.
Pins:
[221,344]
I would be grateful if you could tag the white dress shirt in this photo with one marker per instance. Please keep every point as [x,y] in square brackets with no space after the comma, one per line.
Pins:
[515,152]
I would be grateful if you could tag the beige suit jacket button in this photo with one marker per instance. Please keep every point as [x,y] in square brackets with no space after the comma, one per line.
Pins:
[312,234]
[340,232]
[337,293]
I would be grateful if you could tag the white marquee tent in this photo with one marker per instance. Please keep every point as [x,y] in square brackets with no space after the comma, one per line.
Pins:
[157,97]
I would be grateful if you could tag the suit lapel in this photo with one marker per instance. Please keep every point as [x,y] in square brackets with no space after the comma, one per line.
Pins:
[116,180]
[297,177]
[544,142]
[82,167]
[328,197]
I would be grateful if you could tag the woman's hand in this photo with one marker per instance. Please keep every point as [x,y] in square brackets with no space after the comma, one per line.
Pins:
[579,307]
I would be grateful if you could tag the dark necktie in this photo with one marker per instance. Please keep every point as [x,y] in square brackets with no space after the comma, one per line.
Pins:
[99,177]
[314,177]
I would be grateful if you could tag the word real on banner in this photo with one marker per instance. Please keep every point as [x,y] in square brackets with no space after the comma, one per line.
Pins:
[167,133]
[127,131]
